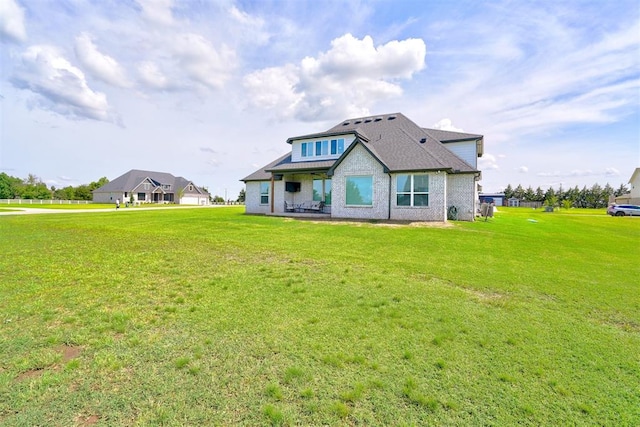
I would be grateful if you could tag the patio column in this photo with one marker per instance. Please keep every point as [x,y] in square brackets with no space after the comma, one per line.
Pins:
[273,184]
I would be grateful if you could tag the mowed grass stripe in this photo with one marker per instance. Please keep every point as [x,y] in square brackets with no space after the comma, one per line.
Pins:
[209,316]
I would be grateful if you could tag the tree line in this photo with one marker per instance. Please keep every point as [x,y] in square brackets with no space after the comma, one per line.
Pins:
[32,187]
[594,197]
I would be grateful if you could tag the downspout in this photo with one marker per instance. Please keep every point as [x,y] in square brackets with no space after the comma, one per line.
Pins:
[273,181]
[389,204]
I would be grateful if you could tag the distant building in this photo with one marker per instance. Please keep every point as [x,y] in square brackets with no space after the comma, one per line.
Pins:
[151,187]
[497,198]
[633,196]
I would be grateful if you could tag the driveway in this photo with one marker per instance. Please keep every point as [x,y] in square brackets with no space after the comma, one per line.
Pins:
[31,211]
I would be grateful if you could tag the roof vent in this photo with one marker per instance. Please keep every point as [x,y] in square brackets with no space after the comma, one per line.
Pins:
[345,123]
[391,118]
[423,140]
[368,120]
[377,119]
[358,121]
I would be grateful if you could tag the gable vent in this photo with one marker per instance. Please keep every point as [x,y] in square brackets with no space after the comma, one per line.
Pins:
[391,118]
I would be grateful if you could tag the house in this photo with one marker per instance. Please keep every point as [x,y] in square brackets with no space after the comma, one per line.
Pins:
[151,187]
[379,167]
[633,196]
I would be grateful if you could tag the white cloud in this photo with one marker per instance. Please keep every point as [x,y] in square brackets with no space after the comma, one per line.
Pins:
[58,85]
[12,22]
[523,169]
[100,65]
[151,76]
[346,80]
[157,11]
[203,63]
[580,173]
[488,162]
[446,124]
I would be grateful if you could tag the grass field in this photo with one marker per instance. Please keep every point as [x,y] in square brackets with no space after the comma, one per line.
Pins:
[213,317]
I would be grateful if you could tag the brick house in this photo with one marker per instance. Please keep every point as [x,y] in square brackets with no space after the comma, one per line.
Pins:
[379,167]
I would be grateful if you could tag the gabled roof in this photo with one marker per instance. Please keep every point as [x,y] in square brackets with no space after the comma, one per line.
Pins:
[449,136]
[396,142]
[402,145]
[133,178]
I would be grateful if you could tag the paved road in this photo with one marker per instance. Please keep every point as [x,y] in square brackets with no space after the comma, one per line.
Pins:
[31,211]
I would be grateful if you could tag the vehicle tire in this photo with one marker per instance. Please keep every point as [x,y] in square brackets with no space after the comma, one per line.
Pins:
[619,213]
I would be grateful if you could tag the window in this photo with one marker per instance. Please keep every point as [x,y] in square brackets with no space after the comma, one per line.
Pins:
[359,191]
[303,149]
[412,190]
[146,185]
[142,196]
[325,148]
[318,148]
[264,193]
[334,146]
[340,146]
[307,149]
[322,191]
[190,187]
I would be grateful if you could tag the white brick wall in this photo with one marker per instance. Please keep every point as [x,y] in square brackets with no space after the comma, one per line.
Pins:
[436,210]
[461,193]
[360,162]
[252,199]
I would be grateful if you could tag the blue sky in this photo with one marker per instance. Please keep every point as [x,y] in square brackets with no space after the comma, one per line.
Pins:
[212,90]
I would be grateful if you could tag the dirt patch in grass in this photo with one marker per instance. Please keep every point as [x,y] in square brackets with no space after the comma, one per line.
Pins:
[88,420]
[32,373]
[68,353]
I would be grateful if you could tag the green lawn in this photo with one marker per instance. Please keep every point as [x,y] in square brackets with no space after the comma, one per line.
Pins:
[213,317]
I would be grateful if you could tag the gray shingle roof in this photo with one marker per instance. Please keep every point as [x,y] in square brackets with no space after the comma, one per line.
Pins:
[130,180]
[397,142]
[402,145]
[449,136]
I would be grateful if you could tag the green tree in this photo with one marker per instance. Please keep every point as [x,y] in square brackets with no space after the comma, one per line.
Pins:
[519,192]
[529,195]
[33,188]
[82,192]
[508,192]
[550,197]
[621,190]
[99,183]
[8,186]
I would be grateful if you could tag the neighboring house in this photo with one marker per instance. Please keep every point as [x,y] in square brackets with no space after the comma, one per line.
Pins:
[151,187]
[633,196]
[377,167]
[497,198]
